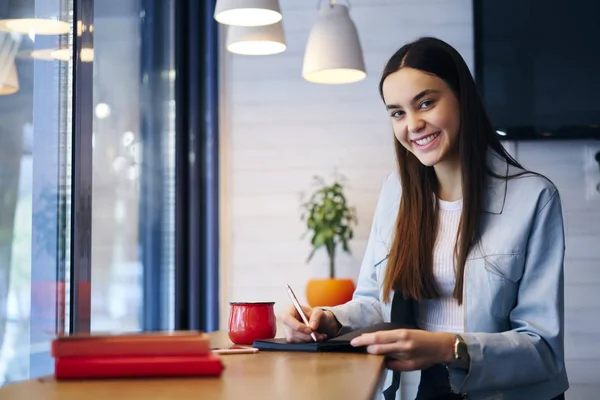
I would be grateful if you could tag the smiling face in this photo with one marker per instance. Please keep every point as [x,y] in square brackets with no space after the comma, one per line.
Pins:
[425,115]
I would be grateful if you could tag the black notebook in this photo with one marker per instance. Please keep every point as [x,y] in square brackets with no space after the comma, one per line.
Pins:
[337,344]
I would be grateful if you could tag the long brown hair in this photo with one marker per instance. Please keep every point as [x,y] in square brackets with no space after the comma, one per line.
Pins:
[410,262]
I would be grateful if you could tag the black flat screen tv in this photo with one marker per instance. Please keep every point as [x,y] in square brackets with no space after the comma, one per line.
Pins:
[537,67]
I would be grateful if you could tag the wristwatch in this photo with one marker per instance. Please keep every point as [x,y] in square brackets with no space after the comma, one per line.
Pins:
[462,359]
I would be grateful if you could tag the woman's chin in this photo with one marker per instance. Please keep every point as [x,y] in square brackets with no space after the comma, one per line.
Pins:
[428,160]
[434,156]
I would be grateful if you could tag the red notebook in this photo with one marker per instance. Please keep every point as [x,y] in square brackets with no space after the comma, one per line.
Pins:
[137,367]
[131,344]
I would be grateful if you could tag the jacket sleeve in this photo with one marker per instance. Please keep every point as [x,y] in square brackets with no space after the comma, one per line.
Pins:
[365,308]
[533,351]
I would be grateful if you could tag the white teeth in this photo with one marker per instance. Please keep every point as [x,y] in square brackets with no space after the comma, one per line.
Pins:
[427,139]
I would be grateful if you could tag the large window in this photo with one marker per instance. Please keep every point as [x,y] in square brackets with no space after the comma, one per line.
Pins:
[87,172]
[134,164]
[35,138]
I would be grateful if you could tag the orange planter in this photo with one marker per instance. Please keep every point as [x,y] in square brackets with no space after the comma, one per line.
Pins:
[329,292]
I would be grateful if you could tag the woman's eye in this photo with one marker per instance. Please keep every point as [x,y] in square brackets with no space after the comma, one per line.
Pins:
[397,114]
[426,104]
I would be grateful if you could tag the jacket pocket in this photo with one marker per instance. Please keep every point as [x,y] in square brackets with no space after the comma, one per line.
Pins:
[504,271]
[507,266]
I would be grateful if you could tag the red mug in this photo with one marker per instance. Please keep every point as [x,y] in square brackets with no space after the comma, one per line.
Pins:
[251,321]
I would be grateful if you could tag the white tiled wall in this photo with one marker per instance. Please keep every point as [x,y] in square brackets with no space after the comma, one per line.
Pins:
[278,131]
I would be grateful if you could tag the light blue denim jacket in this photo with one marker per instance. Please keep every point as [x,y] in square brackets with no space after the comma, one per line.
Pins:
[513,294]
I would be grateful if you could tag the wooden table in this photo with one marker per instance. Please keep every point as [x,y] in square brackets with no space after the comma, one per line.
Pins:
[264,375]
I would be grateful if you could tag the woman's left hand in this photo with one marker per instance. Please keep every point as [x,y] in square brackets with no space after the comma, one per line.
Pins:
[409,349]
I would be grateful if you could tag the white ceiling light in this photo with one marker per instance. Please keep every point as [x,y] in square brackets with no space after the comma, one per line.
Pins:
[61,54]
[248,12]
[41,54]
[35,26]
[102,110]
[9,82]
[256,40]
[86,54]
[333,53]
[65,54]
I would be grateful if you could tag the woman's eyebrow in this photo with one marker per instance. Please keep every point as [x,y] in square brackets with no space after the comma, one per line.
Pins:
[418,97]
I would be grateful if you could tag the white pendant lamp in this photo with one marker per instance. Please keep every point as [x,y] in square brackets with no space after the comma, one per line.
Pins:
[65,54]
[9,82]
[333,53]
[248,12]
[256,40]
[36,26]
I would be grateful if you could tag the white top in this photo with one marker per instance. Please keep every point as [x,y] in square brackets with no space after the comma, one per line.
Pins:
[443,314]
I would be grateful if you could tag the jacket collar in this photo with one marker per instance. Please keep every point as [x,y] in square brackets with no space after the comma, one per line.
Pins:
[495,195]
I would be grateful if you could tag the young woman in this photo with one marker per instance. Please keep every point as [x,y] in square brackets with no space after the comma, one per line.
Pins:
[467,237]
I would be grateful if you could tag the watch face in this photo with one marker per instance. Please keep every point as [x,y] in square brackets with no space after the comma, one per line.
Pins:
[460,349]
[457,353]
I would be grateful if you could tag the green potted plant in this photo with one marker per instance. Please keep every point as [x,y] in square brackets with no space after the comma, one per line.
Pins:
[329,221]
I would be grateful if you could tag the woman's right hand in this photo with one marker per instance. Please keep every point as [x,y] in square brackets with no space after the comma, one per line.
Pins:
[322,323]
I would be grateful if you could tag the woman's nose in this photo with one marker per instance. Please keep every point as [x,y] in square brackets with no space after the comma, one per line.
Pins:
[415,123]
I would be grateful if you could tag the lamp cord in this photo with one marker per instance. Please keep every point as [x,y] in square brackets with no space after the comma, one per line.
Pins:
[332,2]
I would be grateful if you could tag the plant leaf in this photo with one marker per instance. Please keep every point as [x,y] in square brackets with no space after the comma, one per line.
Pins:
[310,256]
[328,217]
